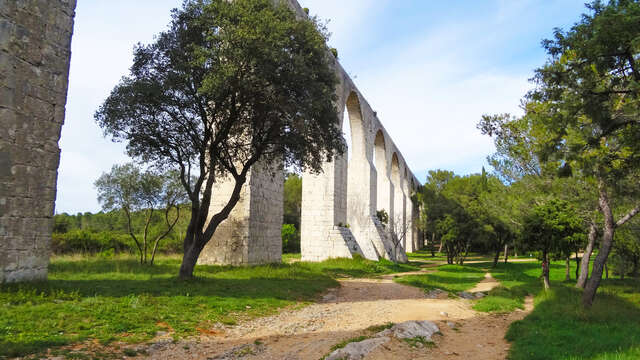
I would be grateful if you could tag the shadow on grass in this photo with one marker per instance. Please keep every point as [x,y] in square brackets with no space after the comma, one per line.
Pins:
[451,278]
[119,299]
[559,328]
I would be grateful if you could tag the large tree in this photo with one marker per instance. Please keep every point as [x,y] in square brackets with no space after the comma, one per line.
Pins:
[583,118]
[588,102]
[229,84]
[551,228]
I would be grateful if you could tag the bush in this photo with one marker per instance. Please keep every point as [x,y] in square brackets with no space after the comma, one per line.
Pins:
[290,239]
[90,242]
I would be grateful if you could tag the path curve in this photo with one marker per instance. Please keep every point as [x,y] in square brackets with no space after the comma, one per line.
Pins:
[346,312]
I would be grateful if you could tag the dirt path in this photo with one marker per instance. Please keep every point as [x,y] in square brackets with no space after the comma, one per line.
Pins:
[347,312]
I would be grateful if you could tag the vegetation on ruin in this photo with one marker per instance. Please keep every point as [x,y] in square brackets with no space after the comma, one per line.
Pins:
[119,299]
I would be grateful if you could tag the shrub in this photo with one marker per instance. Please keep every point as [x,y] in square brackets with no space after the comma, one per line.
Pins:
[290,239]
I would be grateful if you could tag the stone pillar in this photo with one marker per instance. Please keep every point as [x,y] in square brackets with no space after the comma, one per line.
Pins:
[409,217]
[35,50]
[324,233]
[253,232]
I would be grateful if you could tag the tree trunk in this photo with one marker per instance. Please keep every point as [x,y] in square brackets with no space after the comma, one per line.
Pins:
[586,258]
[433,244]
[496,258]
[606,271]
[567,275]
[506,253]
[545,270]
[634,272]
[577,265]
[189,259]
[197,234]
[593,283]
[440,248]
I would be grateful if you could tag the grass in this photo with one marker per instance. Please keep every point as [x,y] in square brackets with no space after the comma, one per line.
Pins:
[423,255]
[344,343]
[120,300]
[289,258]
[419,341]
[451,278]
[559,328]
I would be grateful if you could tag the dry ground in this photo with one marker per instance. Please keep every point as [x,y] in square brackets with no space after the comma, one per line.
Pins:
[346,312]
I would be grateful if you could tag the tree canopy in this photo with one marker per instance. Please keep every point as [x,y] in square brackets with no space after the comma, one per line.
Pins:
[583,119]
[229,84]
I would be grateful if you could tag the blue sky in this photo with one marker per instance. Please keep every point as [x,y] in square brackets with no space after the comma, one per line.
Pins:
[429,68]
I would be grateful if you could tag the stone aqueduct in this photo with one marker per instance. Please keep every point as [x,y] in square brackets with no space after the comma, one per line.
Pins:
[338,206]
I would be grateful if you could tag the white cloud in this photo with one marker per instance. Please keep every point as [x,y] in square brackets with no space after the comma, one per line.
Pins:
[431,95]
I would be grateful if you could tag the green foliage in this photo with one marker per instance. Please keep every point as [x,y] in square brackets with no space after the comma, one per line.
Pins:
[130,189]
[419,341]
[378,328]
[625,258]
[582,118]
[344,343]
[92,233]
[461,213]
[383,217]
[120,300]
[559,328]
[334,51]
[229,84]
[89,242]
[553,227]
[290,239]
[451,278]
[293,199]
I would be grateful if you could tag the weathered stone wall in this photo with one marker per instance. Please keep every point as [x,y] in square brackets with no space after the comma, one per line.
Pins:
[252,233]
[35,42]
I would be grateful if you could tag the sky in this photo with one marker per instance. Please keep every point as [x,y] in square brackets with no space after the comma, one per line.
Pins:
[430,69]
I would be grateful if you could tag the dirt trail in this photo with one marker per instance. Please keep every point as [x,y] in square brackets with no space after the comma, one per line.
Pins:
[486,284]
[347,312]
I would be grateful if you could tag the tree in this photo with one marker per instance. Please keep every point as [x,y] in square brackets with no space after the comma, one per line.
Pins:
[129,189]
[451,211]
[231,83]
[293,199]
[549,229]
[583,117]
[588,102]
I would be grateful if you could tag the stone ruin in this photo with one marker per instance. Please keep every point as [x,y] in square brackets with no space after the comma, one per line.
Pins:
[35,48]
[338,206]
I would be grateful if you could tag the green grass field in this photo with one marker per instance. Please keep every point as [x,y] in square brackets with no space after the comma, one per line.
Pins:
[120,300]
[559,328]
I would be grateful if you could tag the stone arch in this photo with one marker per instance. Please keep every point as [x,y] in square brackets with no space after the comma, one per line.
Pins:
[383,183]
[398,216]
[356,125]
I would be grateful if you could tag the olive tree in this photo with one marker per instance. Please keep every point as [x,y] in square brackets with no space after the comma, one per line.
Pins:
[228,85]
[128,188]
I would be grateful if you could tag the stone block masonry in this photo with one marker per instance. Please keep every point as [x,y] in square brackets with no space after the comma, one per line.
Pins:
[252,233]
[35,49]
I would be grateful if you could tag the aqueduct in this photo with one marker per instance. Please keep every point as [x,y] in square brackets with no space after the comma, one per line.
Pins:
[339,206]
